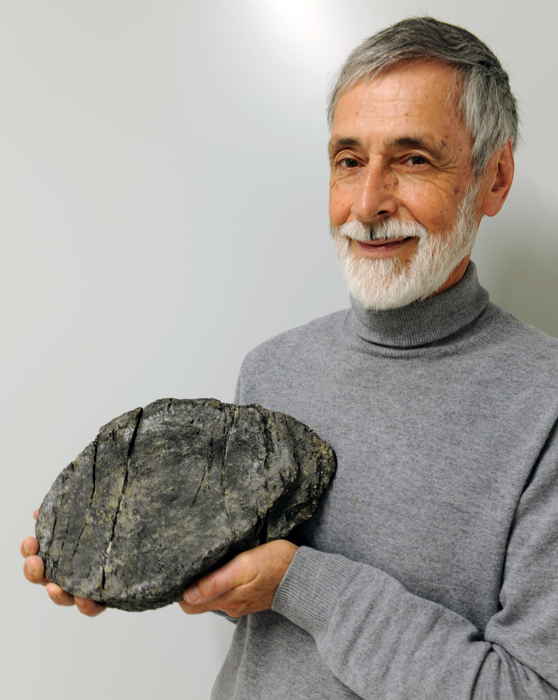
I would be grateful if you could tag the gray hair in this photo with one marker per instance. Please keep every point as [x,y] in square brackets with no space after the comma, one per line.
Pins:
[485,101]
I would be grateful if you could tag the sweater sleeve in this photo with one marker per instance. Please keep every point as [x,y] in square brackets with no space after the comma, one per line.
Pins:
[381,640]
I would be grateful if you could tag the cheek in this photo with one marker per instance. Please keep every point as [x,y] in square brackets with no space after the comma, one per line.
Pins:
[434,209]
[340,203]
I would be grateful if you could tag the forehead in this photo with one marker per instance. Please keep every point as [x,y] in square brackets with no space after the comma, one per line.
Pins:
[413,100]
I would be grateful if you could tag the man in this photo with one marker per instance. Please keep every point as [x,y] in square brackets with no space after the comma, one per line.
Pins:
[429,570]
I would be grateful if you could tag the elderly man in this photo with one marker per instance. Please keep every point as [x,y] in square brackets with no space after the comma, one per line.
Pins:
[430,569]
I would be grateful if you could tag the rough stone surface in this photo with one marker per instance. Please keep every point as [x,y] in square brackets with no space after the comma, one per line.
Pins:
[167,493]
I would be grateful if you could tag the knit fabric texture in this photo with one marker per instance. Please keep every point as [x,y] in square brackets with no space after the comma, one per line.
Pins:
[430,569]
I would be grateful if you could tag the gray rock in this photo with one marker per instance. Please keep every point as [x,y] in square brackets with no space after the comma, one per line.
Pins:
[165,494]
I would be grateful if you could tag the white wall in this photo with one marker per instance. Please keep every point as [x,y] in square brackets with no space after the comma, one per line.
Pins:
[163,184]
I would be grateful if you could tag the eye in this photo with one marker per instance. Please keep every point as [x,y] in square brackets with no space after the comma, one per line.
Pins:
[347,163]
[416,159]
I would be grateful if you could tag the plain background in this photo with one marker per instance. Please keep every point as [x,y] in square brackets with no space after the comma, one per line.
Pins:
[163,210]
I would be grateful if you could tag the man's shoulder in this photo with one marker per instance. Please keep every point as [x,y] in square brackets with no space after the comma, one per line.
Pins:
[524,346]
[297,350]
[522,334]
[318,332]
[272,371]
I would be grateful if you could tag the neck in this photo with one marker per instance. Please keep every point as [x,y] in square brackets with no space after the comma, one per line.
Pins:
[456,275]
[425,322]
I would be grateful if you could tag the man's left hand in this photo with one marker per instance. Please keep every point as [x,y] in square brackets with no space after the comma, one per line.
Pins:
[245,585]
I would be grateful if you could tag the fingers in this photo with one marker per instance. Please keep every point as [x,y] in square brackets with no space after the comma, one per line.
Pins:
[245,585]
[89,607]
[29,546]
[86,607]
[217,583]
[36,514]
[58,596]
[196,609]
[34,570]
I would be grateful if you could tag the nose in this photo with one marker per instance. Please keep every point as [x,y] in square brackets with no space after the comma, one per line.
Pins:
[375,195]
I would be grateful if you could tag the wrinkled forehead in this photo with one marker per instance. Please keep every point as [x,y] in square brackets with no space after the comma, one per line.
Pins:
[411,100]
[430,78]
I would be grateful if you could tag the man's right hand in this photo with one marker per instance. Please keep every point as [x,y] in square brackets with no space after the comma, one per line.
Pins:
[34,571]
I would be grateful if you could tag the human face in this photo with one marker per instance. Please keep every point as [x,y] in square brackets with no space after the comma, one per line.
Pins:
[398,150]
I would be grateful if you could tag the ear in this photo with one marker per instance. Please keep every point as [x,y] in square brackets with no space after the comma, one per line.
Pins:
[497,180]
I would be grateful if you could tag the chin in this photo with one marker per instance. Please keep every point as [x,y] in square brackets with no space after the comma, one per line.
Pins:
[388,283]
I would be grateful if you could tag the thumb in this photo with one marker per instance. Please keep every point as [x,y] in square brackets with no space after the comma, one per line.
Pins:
[215,584]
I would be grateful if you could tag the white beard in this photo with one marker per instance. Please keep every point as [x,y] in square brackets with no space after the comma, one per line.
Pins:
[387,283]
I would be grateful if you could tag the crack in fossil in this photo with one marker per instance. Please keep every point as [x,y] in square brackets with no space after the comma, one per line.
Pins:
[93,476]
[292,504]
[223,468]
[86,511]
[121,496]
[204,476]
[67,503]
[268,449]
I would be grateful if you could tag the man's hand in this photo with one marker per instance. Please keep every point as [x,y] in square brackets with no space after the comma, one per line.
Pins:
[34,571]
[245,585]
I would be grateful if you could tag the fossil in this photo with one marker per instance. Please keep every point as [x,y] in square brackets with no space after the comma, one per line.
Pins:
[167,493]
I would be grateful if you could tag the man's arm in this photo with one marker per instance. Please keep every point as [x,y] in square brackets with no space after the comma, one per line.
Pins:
[381,640]
[391,644]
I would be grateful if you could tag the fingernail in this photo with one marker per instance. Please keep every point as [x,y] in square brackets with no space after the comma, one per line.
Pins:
[78,601]
[191,595]
[32,569]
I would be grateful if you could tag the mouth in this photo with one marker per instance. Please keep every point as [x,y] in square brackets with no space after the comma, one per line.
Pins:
[380,248]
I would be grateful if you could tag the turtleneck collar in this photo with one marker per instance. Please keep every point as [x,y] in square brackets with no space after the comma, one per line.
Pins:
[424,322]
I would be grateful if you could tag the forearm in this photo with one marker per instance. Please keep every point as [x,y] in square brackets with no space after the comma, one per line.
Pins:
[382,641]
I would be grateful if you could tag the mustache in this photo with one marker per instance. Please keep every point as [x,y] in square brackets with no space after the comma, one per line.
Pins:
[386,230]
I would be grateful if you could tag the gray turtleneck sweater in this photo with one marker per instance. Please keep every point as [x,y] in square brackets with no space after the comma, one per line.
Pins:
[430,569]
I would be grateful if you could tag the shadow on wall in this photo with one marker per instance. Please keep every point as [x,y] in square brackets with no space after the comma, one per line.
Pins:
[517,258]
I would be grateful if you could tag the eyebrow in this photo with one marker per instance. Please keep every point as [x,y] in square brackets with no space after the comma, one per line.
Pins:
[422,144]
[339,145]
[402,142]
